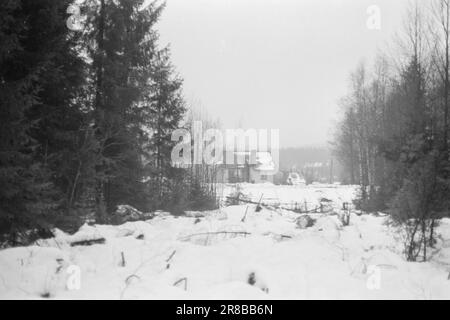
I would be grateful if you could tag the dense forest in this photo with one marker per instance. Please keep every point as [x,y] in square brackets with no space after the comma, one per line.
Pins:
[394,137]
[88,102]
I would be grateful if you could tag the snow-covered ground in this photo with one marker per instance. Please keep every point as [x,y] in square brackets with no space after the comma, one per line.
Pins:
[214,257]
[289,195]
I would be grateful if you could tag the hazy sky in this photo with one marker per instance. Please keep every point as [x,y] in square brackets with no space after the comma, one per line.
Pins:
[280,64]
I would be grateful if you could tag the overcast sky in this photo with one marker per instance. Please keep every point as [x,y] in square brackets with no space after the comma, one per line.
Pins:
[280,64]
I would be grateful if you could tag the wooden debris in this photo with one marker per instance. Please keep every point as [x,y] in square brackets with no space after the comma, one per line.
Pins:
[88,242]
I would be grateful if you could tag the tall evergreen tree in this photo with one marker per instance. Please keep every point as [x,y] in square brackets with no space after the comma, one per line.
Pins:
[38,122]
[125,70]
[165,109]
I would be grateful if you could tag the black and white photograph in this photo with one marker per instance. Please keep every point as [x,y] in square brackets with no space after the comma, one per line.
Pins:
[224,150]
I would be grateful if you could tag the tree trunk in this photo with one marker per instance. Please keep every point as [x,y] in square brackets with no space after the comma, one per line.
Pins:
[99,109]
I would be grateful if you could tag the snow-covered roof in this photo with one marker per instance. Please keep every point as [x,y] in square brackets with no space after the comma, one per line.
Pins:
[264,161]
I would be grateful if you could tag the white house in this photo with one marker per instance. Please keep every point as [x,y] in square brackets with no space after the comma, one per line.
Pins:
[254,167]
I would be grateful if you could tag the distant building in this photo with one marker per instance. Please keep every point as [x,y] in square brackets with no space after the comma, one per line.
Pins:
[294,179]
[251,167]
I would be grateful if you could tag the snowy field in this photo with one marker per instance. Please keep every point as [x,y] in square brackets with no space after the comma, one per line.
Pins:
[222,255]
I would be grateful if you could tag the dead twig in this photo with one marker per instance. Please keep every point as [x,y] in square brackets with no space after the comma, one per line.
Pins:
[127,280]
[181,280]
[122,262]
[245,215]
[258,206]
[170,258]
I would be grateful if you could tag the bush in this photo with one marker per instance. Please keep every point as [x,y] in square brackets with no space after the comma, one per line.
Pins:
[422,199]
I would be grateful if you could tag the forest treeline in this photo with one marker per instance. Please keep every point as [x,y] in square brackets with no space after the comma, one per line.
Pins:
[393,139]
[87,116]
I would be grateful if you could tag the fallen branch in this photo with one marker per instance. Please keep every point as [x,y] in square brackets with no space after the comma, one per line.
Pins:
[246,201]
[88,242]
[215,233]
[278,235]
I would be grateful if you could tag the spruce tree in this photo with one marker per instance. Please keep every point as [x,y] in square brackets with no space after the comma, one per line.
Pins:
[39,122]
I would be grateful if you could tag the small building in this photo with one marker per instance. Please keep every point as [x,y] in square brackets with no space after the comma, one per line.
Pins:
[251,167]
[294,179]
